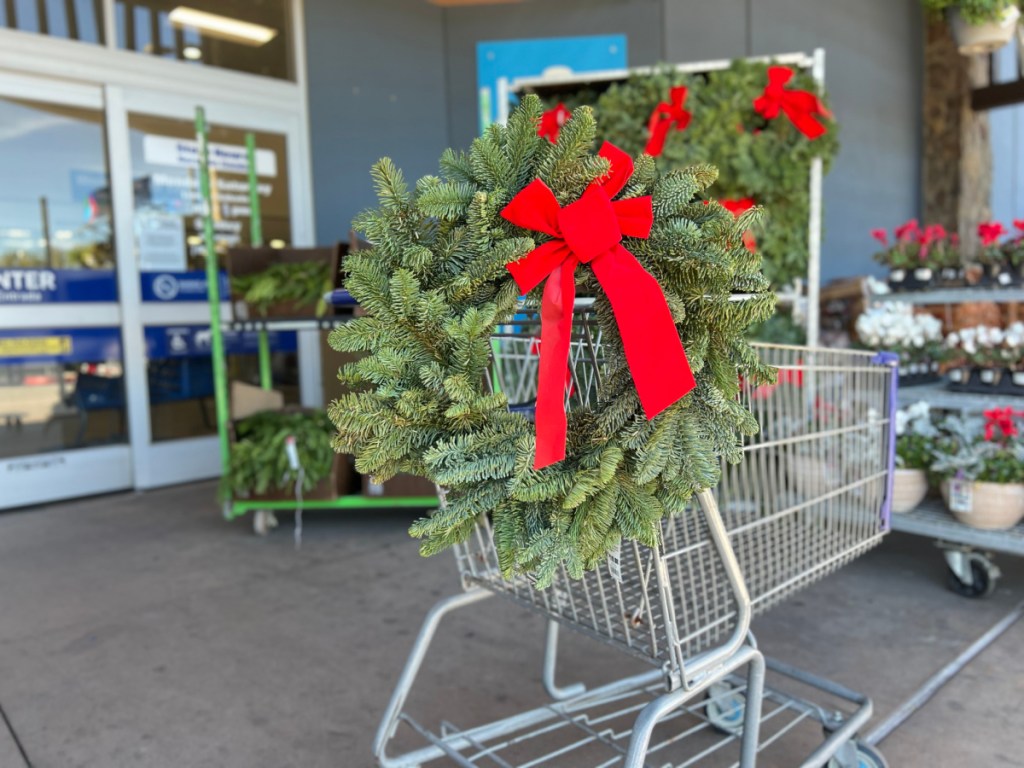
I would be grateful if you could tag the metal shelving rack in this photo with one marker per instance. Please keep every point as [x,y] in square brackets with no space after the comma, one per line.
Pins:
[968,551]
[234,508]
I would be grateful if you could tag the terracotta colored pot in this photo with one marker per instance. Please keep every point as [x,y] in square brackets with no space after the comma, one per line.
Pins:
[972,39]
[994,506]
[909,487]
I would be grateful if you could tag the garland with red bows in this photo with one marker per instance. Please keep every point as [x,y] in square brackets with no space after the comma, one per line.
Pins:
[759,124]
[521,214]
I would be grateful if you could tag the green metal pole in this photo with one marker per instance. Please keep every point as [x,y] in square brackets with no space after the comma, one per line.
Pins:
[256,240]
[220,383]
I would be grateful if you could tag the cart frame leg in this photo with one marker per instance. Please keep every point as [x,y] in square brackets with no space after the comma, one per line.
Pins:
[654,712]
[442,608]
[550,663]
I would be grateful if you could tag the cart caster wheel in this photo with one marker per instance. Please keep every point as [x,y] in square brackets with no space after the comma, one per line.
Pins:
[867,757]
[725,708]
[983,576]
[263,521]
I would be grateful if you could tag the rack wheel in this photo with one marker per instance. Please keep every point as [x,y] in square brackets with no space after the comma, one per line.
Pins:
[867,757]
[263,521]
[725,707]
[983,574]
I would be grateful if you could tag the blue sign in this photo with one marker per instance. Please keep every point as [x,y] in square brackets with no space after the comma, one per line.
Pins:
[510,59]
[60,345]
[44,286]
[194,341]
[180,286]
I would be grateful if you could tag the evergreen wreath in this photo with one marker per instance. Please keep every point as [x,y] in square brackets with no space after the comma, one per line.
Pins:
[434,286]
[766,160]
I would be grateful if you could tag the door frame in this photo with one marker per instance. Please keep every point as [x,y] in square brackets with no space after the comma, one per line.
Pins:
[175,461]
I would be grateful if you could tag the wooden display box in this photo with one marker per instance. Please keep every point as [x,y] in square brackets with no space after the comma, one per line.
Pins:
[242,262]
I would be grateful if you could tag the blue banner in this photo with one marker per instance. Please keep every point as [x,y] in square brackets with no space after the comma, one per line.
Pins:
[510,59]
[194,341]
[163,287]
[45,286]
[60,345]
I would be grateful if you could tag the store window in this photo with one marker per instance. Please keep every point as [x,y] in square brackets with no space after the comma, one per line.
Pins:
[57,216]
[71,19]
[168,225]
[180,375]
[243,35]
[60,389]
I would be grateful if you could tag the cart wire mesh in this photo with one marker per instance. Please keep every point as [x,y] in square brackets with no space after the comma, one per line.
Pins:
[807,497]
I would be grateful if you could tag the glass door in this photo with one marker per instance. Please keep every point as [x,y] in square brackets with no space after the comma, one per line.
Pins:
[177,439]
[63,409]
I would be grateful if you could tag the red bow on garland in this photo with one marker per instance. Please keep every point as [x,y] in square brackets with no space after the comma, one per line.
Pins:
[552,120]
[590,230]
[665,115]
[800,106]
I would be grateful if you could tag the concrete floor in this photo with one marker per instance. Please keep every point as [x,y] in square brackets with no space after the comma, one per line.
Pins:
[143,630]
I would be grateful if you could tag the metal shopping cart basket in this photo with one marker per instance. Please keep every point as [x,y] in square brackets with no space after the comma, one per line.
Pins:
[809,495]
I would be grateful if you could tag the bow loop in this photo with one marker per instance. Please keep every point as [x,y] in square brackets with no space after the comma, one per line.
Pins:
[666,115]
[535,207]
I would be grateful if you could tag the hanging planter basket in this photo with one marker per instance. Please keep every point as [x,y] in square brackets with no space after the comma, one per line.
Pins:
[972,39]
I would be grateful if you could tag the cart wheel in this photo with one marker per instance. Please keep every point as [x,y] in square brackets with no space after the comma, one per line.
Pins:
[984,575]
[867,757]
[725,707]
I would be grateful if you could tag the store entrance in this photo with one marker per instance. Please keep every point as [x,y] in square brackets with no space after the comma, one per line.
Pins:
[105,374]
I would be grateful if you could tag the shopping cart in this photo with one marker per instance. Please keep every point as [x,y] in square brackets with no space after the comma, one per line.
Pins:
[810,494]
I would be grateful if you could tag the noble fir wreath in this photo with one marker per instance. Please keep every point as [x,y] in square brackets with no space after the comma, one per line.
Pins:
[761,160]
[436,283]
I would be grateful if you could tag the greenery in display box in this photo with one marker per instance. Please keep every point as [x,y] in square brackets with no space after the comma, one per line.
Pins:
[259,464]
[301,283]
[435,286]
[764,161]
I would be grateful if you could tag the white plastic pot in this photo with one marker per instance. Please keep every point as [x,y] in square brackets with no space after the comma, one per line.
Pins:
[909,488]
[972,39]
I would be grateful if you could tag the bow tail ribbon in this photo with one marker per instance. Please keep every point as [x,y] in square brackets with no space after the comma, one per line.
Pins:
[649,336]
[555,338]
[801,108]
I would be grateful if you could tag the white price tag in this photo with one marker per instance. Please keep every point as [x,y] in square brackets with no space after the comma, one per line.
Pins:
[615,563]
[960,499]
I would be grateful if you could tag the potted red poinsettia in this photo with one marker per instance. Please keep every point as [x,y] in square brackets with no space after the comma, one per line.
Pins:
[918,256]
[996,269]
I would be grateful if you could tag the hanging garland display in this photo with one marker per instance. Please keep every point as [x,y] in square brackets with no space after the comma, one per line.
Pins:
[759,124]
[521,214]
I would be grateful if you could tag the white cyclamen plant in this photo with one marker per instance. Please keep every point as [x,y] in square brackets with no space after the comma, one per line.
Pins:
[894,326]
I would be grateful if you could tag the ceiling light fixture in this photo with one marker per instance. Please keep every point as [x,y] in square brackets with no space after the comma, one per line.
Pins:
[457,3]
[223,27]
[191,53]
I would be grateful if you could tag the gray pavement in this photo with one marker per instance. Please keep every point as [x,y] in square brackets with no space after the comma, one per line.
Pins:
[143,630]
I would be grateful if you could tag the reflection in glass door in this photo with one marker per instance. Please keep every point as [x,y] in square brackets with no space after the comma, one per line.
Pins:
[62,403]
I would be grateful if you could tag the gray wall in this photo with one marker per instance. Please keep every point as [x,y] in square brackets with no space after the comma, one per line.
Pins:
[376,88]
[398,77]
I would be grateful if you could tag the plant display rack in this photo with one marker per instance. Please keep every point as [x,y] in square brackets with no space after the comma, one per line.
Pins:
[234,508]
[968,551]
[814,62]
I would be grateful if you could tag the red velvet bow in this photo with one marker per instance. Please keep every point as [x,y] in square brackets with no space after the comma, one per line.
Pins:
[800,106]
[590,230]
[551,122]
[665,115]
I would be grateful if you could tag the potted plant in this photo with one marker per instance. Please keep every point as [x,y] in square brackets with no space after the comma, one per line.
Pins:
[906,256]
[979,26]
[915,438]
[944,254]
[982,464]
[917,338]
[1013,357]
[1013,254]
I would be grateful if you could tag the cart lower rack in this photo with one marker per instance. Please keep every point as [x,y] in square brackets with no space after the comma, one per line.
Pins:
[809,495]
